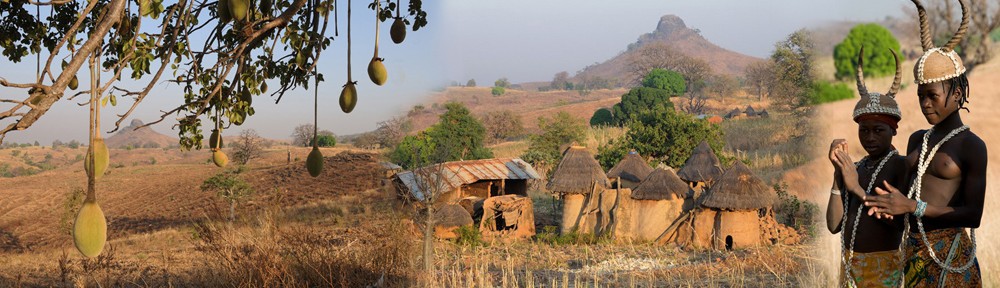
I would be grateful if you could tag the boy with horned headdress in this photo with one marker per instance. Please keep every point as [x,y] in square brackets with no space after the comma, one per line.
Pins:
[947,165]
[870,246]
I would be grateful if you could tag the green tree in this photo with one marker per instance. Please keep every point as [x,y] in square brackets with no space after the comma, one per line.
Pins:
[877,41]
[502,83]
[560,130]
[602,117]
[793,63]
[471,83]
[664,135]
[497,91]
[229,186]
[326,140]
[457,136]
[413,151]
[640,99]
[665,79]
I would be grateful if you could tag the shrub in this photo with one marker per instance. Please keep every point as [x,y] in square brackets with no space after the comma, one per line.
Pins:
[825,92]
[602,117]
[878,60]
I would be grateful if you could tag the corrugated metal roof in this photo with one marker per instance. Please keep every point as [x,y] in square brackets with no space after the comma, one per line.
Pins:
[457,173]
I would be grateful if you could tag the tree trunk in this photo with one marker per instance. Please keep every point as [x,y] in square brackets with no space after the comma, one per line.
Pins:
[428,240]
[232,211]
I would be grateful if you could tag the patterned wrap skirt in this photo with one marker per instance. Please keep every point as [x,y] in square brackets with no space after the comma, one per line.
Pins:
[952,246]
[875,269]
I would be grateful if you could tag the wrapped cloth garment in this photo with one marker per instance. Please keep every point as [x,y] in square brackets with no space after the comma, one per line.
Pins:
[951,245]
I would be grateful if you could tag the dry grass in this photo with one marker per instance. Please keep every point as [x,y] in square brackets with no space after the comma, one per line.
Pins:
[533,264]
[773,145]
[330,244]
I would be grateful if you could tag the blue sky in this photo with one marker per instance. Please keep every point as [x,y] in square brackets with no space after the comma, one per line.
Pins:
[524,40]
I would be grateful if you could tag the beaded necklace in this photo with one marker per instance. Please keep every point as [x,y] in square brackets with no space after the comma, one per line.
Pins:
[923,162]
[857,217]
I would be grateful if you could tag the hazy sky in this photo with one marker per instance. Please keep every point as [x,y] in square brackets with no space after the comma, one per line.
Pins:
[524,40]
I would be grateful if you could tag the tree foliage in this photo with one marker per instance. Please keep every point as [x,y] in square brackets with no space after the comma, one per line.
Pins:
[663,134]
[877,42]
[793,63]
[457,136]
[220,61]
[249,145]
[502,125]
[230,187]
[557,131]
[497,91]
[664,79]
[640,99]
[561,81]
[602,117]
[502,83]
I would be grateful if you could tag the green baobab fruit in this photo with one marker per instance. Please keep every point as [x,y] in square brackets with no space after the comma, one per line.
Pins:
[215,141]
[90,230]
[239,8]
[376,71]
[398,30]
[348,98]
[220,158]
[74,83]
[101,161]
[314,163]
[222,9]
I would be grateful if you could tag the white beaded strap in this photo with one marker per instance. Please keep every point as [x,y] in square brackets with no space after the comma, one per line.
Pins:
[857,216]
[922,163]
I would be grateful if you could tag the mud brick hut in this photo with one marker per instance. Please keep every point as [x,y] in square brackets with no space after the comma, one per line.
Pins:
[453,181]
[629,171]
[581,183]
[653,206]
[507,217]
[731,214]
[700,169]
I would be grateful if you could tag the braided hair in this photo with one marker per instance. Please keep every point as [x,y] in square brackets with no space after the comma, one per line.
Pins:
[962,84]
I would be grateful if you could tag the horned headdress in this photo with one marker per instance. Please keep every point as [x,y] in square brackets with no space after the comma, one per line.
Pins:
[874,105]
[939,63]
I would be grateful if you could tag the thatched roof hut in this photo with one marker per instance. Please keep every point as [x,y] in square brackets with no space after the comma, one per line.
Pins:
[749,111]
[662,184]
[739,189]
[702,166]
[632,168]
[734,113]
[577,173]
[763,113]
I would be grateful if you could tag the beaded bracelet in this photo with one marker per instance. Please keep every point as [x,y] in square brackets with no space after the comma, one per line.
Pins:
[921,208]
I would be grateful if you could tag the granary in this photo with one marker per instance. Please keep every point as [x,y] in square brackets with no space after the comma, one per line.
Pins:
[731,214]
[581,183]
[629,171]
[653,206]
[451,181]
[750,112]
[701,168]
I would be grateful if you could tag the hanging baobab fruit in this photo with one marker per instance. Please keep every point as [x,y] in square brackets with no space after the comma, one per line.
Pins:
[349,96]
[90,229]
[376,70]
[314,162]
[398,30]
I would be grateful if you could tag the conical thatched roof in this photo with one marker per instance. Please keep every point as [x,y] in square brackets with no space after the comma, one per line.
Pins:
[702,166]
[660,184]
[577,172]
[739,189]
[750,111]
[632,168]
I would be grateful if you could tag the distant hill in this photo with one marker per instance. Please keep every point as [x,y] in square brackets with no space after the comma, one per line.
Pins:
[145,137]
[672,31]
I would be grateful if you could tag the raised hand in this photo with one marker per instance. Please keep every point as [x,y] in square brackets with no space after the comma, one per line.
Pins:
[889,201]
